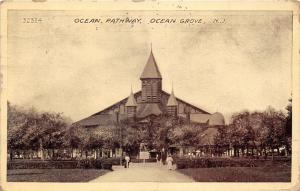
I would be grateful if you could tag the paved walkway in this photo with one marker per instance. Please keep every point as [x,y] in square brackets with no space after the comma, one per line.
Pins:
[140,172]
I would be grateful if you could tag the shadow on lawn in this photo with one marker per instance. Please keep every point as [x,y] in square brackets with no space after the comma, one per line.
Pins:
[239,174]
[18,174]
[54,175]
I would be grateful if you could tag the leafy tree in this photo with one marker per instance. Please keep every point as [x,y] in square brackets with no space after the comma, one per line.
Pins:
[30,129]
[288,127]
[274,121]
[245,133]
[130,135]
[90,138]
[260,132]
[221,140]
[16,118]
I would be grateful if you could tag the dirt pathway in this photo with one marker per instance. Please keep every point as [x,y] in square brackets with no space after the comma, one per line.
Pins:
[139,172]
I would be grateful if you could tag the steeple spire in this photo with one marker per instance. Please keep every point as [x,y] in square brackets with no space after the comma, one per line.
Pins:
[172,104]
[151,81]
[131,102]
[172,100]
[151,69]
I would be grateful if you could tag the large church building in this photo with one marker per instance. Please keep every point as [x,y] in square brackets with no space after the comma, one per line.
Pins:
[152,100]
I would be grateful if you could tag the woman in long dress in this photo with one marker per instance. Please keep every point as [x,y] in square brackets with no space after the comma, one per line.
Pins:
[127,160]
[169,161]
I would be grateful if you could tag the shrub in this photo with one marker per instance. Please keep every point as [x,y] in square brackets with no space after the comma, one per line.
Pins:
[85,163]
[96,164]
[106,165]
[113,161]
[141,160]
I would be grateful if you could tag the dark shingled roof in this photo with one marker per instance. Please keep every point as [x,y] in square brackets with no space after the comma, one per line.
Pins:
[103,118]
[151,69]
[164,94]
[180,100]
[99,120]
[149,109]
[199,117]
[216,119]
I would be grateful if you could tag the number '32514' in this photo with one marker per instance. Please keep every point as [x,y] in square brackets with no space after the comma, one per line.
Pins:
[32,20]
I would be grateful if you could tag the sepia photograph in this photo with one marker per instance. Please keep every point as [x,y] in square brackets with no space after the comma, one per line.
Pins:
[148,96]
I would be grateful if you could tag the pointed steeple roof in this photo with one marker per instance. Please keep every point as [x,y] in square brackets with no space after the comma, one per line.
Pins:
[131,101]
[172,100]
[151,69]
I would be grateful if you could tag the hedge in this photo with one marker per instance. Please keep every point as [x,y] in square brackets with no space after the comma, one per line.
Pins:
[114,161]
[142,160]
[104,163]
[64,164]
[227,162]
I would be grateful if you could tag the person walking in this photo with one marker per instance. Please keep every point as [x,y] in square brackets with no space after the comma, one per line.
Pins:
[127,160]
[157,158]
[169,161]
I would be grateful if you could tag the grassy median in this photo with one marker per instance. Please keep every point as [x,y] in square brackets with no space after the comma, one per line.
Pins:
[54,175]
[239,174]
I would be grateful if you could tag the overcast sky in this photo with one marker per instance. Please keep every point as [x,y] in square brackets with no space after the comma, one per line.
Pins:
[79,69]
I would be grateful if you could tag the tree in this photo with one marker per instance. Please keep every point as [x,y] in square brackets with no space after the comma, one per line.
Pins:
[16,118]
[30,129]
[130,136]
[156,132]
[90,138]
[221,140]
[275,122]
[260,132]
[288,128]
[242,132]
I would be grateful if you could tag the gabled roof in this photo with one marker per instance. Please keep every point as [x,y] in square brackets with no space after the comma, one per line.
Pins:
[139,93]
[143,110]
[123,101]
[216,119]
[199,117]
[131,101]
[149,109]
[172,100]
[151,69]
[192,106]
[98,120]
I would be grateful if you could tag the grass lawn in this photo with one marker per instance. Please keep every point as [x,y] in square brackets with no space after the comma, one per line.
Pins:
[239,174]
[53,175]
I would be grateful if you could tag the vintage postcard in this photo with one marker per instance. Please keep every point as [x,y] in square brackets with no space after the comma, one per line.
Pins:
[150,96]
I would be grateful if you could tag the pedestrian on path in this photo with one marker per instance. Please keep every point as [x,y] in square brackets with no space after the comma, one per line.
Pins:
[169,161]
[127,160]
[157,158]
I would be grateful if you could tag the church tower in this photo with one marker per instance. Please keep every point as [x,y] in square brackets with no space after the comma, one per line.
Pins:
[151,81]
[172,105]
[131,106]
